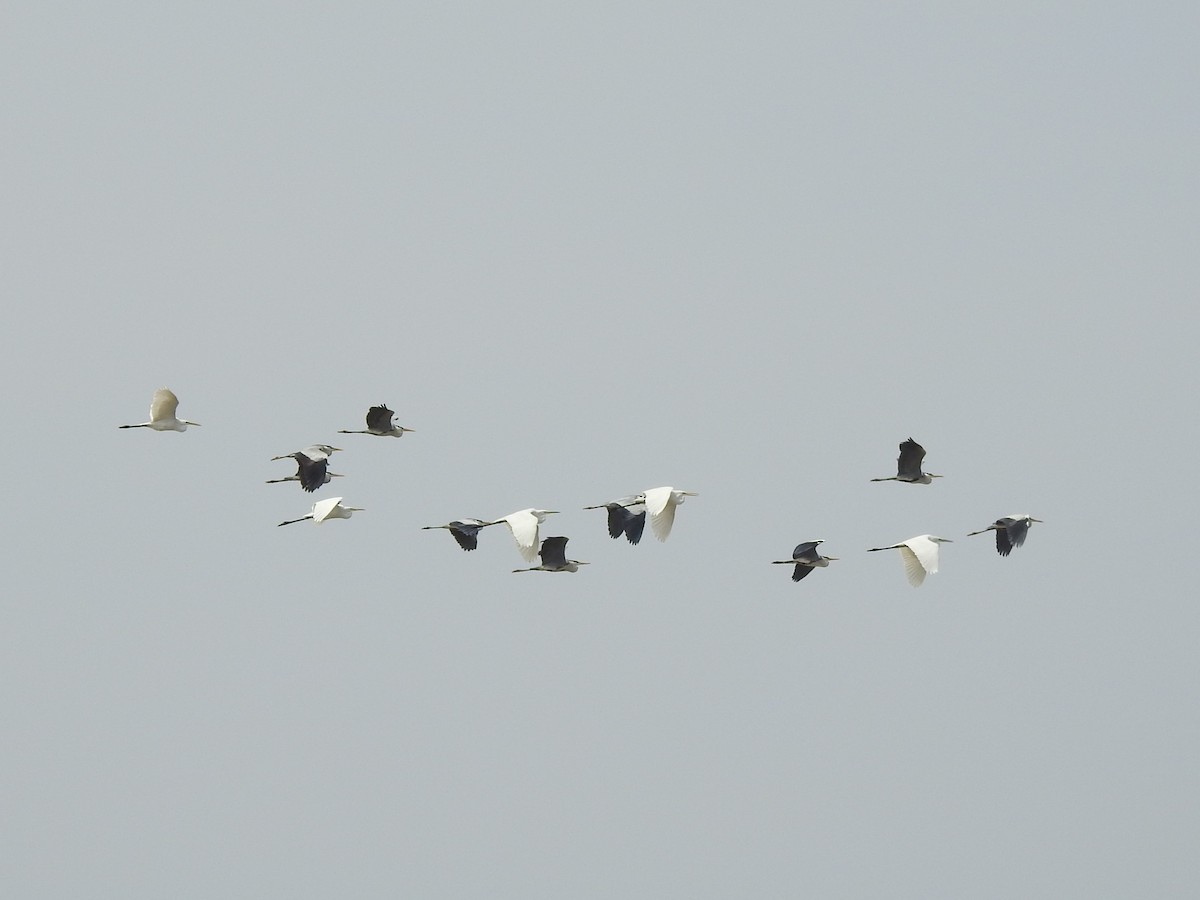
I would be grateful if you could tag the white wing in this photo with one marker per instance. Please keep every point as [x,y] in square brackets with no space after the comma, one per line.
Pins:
[912,566]
[524,527]
[163,406]
[323,508]
[660,504]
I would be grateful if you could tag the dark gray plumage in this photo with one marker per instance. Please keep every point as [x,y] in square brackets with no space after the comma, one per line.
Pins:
[1010,532]
[805,557]
[626,516]
[379,423]
[554,557]
[908,465]
[465,531]
[311,473]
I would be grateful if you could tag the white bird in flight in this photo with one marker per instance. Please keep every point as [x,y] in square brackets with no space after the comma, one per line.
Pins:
[312,451]
[554,557]
[908,465]
[1010,532]
[326,509]
[379,423]
[920,555]
[805,557]
[162,414]
[660,505]
[524,526]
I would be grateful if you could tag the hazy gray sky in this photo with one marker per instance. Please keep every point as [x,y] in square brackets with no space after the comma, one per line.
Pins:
[587,249]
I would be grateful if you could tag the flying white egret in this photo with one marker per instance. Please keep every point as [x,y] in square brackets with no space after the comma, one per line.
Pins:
[162,414]
[660,504]
[920,555]
[524,526]
[554,557]
[465,531]
[379,422]
[311,473]
[326,509]
[805,557]
[626,516]
[313,451]
[1010,532]
[908,465]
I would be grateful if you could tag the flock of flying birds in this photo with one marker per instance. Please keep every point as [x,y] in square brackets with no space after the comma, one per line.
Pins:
[626,517]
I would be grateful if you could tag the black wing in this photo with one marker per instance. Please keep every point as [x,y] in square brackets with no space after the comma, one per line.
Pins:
[801,572]
[1010,533]
[466,533]
[635,524]
[554,552]
[908,463]
[623,522]
[617,516]
[379,418]
[806,551]
[310,471]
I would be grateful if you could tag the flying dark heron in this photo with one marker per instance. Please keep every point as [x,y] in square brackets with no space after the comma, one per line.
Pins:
[806,557]
[908,465]
[554,557]
[626,516]
[1010,532]
[920,555]
[524,527]
[379,422]
[312,467]
[311,473]
[326,509]
[465,531]
[162,414]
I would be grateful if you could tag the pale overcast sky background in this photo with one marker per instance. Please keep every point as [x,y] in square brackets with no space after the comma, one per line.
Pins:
[588,249]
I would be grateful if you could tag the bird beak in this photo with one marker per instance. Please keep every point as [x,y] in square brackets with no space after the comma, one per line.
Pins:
[1032,519]
[833,557]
